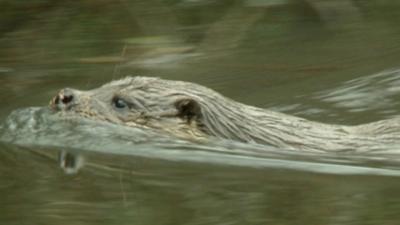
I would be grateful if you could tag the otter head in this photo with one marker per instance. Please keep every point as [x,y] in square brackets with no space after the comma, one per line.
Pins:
[171,106]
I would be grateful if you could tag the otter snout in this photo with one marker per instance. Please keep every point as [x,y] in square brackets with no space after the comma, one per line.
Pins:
[64,99]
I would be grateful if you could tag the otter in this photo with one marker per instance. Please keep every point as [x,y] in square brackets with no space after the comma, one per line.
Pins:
[191,111]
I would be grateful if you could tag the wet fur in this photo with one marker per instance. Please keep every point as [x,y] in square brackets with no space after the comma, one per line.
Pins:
[192,111]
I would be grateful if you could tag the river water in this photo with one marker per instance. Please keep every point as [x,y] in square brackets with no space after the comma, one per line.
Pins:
[329,61]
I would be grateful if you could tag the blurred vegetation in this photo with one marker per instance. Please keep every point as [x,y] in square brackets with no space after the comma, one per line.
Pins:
[273,41]
[90,28]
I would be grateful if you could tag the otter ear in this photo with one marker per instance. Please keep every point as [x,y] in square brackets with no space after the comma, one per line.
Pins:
[188,108]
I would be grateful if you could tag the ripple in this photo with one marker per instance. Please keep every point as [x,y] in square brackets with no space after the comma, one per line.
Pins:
[40,128]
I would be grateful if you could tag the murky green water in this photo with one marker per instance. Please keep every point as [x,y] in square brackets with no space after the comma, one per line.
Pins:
[331,61]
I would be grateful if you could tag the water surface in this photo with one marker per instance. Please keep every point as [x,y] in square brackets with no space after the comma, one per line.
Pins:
[330,61]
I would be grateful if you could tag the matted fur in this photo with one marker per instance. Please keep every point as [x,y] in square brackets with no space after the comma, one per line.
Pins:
[192,111]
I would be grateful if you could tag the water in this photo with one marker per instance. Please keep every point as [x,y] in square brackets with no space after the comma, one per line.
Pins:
[332,61]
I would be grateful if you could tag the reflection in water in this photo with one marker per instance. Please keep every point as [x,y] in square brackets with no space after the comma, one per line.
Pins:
[70,162]
[310,58]
[373,97]
[143,191]
[378,91]
[132,175]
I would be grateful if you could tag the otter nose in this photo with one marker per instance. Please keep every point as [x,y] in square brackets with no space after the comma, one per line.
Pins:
[66,97]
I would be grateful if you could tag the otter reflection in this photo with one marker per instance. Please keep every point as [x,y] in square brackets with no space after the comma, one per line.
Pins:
[194,112]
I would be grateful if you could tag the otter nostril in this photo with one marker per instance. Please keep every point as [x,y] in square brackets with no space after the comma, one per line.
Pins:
[66,99]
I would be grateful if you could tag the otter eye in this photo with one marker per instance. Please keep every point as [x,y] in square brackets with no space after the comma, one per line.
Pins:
[120,103]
